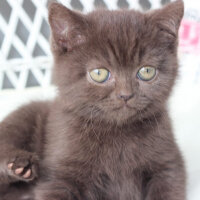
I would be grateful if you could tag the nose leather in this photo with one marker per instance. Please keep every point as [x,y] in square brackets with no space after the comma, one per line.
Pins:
[125,97]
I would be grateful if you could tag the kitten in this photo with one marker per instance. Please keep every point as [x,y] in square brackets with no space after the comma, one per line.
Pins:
[107,136]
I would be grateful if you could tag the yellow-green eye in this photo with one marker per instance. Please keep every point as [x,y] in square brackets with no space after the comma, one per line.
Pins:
[99,75]
[146,73]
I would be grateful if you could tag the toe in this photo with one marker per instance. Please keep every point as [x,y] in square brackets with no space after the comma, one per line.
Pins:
[19,170]
[27,174]
[10,165]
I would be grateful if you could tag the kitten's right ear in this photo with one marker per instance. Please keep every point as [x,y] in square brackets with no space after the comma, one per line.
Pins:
[169,17]
[67,28]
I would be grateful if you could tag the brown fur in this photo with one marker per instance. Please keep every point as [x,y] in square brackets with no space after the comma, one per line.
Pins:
[88,144]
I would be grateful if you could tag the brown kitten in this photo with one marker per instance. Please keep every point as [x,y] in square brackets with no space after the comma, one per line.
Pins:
[107,135]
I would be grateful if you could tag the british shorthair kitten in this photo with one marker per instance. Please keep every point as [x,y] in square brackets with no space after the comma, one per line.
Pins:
[107,135]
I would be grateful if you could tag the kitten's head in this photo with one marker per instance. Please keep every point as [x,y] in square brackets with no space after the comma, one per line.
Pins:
[115,65]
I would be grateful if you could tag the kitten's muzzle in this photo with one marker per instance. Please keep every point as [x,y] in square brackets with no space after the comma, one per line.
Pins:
[125,97]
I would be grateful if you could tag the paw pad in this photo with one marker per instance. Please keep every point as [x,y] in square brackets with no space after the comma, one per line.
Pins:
[24,167]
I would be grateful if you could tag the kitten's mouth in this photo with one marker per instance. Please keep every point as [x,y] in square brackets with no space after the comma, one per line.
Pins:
[123,107]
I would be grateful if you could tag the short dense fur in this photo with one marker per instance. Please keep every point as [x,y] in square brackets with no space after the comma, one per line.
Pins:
[89,144]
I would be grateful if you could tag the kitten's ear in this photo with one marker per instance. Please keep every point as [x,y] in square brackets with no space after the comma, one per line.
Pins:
[67,27]
[169,17]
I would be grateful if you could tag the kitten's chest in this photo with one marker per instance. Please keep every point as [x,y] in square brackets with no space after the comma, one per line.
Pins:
[117,174]
[121,155]
[116,180]
[120,188]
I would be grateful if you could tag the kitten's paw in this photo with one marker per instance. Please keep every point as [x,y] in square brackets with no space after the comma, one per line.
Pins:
[23,166]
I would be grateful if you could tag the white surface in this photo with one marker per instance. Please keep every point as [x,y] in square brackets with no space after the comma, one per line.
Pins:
[185,114]
[12,99]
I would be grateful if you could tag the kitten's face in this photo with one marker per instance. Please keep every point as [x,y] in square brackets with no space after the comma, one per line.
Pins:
[122,65]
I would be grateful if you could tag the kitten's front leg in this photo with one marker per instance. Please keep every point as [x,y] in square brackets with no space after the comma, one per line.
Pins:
[167,184]
[21,143]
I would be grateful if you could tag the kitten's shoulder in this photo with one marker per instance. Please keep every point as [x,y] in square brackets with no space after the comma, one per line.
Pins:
[29,111]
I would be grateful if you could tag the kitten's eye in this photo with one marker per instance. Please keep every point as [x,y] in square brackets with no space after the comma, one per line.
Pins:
[146,73]
[100,75]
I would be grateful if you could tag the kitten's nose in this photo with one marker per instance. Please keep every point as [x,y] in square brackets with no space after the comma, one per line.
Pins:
[125,97]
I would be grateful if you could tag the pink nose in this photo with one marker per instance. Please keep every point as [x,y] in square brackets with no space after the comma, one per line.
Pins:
[125,97]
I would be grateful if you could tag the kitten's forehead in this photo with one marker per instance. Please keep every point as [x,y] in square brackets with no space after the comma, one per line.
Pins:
[118,33]
[116,22]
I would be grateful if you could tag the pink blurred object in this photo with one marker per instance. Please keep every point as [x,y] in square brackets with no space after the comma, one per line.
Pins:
[190,37]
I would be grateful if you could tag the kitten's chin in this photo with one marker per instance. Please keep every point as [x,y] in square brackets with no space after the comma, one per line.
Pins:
[121,115]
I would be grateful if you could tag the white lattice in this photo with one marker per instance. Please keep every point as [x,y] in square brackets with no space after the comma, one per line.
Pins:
[24,47]
[17,70]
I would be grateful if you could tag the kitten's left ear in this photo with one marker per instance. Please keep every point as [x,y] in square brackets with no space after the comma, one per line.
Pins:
[67,28]
[169,17]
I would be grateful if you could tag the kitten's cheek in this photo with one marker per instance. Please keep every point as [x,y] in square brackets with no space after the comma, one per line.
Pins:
[131,103]
[113,96]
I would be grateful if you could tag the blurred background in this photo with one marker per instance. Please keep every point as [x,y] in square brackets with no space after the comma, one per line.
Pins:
[26,61]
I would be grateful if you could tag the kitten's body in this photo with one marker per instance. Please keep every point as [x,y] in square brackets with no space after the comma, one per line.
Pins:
[112,162]
[92,144]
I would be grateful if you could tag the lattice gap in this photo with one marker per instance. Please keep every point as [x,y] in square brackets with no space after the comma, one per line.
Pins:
[25,58]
